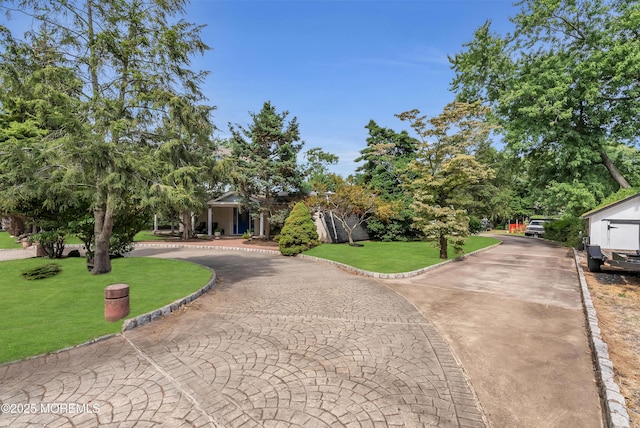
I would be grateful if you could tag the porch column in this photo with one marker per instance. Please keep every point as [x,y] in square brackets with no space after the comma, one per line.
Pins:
[210,221]
[155,224]
[193,222]
[261,223]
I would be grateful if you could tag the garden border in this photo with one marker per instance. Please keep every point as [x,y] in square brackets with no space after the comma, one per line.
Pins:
[613,403]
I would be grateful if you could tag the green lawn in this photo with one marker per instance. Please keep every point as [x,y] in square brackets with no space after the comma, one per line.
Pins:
[392,257]
[147,235]
[50,314]
[7,241]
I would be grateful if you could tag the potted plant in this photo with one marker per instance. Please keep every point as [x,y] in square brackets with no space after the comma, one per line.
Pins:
[217,232]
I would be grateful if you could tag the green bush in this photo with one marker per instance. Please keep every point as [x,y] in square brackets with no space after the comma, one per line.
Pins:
[51,241]
[299,232]
[475,225]
[567,231]
[41,272]
[397,228]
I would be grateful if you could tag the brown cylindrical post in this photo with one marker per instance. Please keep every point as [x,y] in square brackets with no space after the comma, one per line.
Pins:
[116,302]
[39,250]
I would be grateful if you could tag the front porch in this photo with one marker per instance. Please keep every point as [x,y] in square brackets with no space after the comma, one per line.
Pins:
[228,214]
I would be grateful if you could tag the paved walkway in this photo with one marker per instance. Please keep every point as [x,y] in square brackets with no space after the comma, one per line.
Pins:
[278,342]
[19,253]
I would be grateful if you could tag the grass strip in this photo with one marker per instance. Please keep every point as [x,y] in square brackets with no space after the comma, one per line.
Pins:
[7,242]
[393,257]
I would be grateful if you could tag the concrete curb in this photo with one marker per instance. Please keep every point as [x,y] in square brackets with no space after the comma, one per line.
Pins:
[357,271]
[143,319]
[613,402]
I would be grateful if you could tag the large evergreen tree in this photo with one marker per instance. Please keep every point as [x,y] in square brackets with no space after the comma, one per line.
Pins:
[385,170]
[39,104]
[137,93]
[265,158]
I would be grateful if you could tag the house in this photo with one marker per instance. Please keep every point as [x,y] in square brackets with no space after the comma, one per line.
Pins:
[228,213]
[615,226]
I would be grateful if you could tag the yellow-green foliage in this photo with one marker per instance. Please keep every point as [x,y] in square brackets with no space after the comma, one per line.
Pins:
[299,232]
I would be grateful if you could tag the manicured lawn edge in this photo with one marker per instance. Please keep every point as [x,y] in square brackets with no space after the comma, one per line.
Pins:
[143,319]
[137,321]
[613,402]
[400,274]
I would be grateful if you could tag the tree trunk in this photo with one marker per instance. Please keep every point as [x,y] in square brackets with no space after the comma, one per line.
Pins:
[615,173]
[103,216]
[349,234]
[186,224]
[443,247]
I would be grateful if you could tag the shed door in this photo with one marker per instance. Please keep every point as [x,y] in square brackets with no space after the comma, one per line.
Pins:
[623,236]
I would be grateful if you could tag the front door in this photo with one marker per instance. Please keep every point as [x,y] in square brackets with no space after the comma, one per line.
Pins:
[241,222]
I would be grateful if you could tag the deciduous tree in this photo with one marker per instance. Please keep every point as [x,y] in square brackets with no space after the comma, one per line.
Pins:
[445,169]
[565,87]
[351,205]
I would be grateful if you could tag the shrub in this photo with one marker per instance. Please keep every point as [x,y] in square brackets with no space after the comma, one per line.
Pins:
[567,231]
[52,242]
[41,272]
[299,232]
[399,227]
[475,225]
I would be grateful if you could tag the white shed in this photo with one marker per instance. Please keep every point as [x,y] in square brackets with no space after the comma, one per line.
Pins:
[615,226]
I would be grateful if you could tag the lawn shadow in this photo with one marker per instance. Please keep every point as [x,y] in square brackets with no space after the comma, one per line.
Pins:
[230,266]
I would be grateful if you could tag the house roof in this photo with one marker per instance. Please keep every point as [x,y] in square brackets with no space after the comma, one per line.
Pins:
[609,206]
[229,199]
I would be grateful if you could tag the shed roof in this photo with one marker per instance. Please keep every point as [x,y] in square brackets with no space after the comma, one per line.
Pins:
[609,206]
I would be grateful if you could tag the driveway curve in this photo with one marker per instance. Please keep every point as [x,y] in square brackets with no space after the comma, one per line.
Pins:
[278,342]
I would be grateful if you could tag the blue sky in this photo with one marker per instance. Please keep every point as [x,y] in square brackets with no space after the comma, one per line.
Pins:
[336,64]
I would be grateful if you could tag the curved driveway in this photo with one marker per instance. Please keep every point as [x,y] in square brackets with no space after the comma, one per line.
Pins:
[278,342]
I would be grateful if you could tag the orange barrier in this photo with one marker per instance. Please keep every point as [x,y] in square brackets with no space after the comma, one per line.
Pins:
[517,228]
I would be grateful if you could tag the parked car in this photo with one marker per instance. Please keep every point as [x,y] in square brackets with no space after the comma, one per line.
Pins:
[535,228]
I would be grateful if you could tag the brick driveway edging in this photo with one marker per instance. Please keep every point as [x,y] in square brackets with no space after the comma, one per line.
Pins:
[613,403]
[207,247]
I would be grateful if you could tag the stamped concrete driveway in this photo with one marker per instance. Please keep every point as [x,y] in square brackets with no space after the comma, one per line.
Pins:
[514,317]
[278,342]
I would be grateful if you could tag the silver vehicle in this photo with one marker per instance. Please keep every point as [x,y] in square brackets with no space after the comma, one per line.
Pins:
[535,228]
